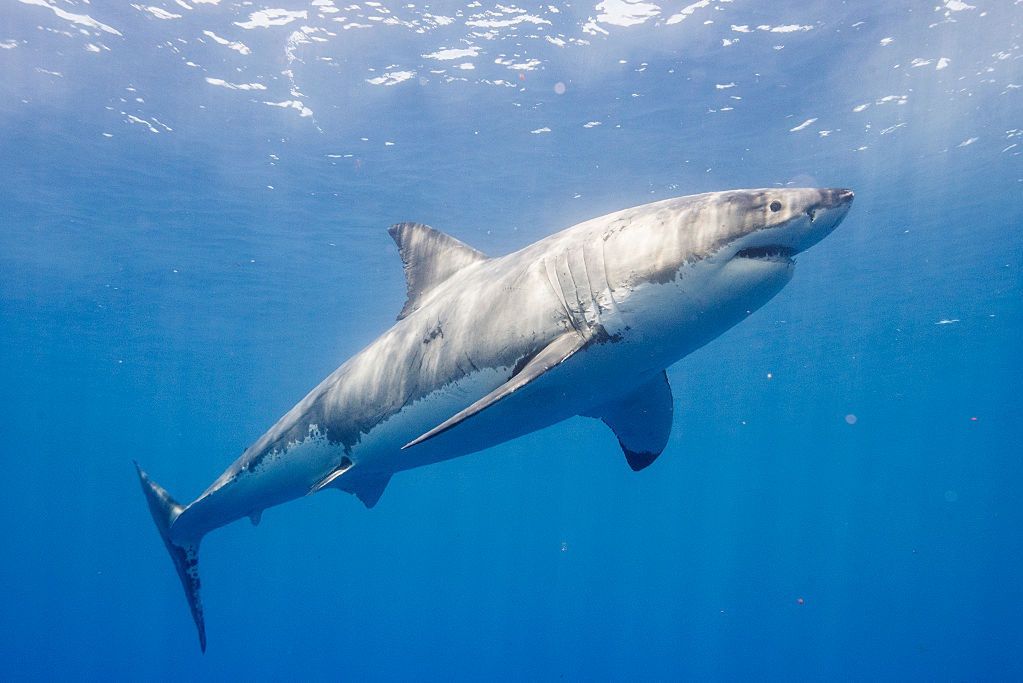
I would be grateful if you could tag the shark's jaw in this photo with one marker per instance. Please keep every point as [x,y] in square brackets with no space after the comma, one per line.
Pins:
[771,252]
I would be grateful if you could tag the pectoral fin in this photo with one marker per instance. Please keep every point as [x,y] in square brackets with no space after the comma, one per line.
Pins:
[641,419]
[367,487]
[555,353]
[346,464]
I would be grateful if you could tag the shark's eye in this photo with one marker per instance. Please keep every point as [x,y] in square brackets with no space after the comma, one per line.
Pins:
[775,205]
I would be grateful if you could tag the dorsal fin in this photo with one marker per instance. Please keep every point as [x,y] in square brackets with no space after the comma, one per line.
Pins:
[430,257]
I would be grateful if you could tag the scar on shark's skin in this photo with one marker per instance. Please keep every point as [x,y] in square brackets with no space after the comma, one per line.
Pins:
[583,322]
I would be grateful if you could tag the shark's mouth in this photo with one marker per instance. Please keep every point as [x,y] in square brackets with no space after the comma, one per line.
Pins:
[771,252]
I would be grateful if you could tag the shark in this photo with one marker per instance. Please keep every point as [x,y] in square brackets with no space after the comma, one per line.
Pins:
[584,322]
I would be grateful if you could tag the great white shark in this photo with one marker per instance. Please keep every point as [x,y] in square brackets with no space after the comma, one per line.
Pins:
[583,322]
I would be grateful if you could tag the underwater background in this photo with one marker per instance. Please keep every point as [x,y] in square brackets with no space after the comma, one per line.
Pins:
[193,222]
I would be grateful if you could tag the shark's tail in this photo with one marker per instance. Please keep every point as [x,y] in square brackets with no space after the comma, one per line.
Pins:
[186,557]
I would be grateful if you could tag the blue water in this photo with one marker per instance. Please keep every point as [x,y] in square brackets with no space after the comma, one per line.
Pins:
[180,263]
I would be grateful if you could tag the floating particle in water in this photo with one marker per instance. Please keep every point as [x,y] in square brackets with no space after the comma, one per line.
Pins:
[770,375]
[564,546]
[973,419]
[800,601]
[559,88]
[951,496]
[850,419]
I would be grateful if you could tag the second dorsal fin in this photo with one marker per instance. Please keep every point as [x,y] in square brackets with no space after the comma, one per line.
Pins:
[430,257]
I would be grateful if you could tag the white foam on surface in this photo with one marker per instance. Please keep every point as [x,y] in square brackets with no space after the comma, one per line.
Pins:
[142,122]
[485,21]
[325,6]
[687,11]
[157,12]
[528,65]
[303,110]
[391,78]
[238,47]
[453,53]
[803,125]
[80,19]
[786,28]
[235,86]
[272,17]
[626,12]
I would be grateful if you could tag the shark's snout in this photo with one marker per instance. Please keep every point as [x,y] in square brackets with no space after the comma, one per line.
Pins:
[811,216]
[824,216]
[836,197]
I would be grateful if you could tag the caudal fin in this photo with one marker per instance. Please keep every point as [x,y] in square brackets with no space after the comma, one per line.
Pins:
[186,557]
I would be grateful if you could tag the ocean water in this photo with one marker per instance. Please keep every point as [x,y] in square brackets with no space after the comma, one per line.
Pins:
[194,207]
